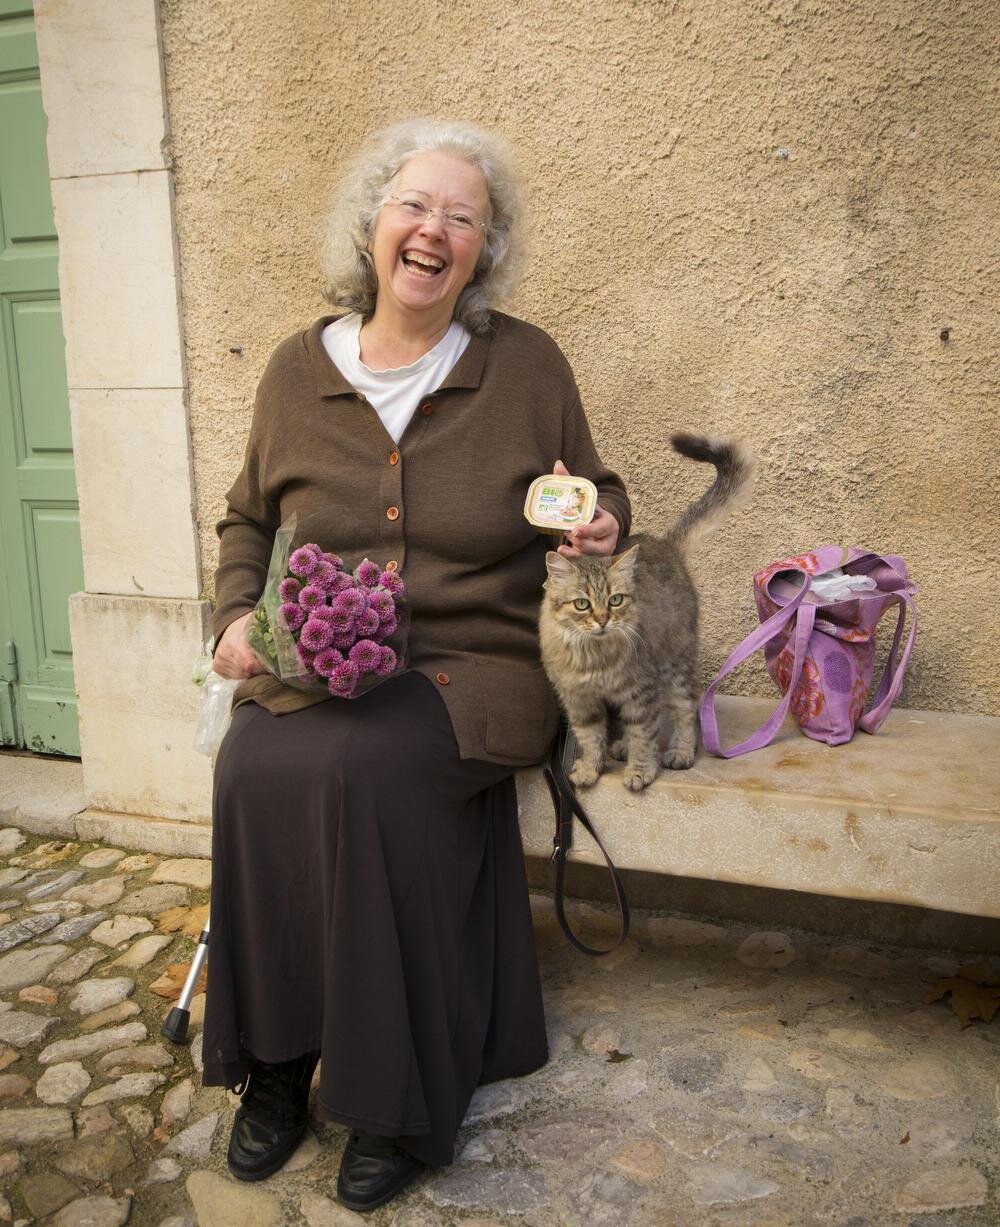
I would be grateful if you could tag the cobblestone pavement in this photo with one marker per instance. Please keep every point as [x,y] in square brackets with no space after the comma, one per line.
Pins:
[703,1074]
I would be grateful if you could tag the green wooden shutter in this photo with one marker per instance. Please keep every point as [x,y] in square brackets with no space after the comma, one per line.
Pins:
[40,556]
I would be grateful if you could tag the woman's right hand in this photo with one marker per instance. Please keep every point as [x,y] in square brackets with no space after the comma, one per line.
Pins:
[233,657]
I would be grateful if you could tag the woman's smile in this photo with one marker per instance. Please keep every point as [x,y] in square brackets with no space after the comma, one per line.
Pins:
[421,263]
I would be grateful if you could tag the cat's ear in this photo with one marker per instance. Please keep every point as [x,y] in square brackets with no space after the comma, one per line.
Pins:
[557,566]
[624,564]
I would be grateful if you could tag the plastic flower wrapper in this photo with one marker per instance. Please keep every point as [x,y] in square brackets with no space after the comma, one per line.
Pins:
[215,700]
[331,621]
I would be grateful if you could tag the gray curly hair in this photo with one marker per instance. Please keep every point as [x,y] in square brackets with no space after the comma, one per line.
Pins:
[347,267]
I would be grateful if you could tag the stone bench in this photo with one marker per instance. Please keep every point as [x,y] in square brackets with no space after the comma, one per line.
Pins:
[910,815]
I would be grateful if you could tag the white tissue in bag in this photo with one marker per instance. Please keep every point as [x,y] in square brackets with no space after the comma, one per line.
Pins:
[836,586]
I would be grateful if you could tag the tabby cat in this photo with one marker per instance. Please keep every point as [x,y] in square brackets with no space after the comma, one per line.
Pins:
[619,636]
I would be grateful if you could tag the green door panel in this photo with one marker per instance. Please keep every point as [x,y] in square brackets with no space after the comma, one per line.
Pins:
[46,438]
[24,171]
[40,555]
[18,51]
[45,699]
[54,535]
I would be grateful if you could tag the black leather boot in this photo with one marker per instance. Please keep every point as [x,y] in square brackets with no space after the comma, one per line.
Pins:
[372,1171]
[271,1119]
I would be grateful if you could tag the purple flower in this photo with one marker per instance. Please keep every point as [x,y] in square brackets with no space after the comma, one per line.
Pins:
[316,635]
[380,599]
[326,661]
[368,623]
[334,560]
[293,615]
[341,582]
[303,561]
[390,580]
[323,612]
[344,639]
[343,679]
[366,655]
[387,625]
[310,597]
[307,660]
[289,589]
[353,599]
[341,619]
[386,662]
[367,573]
[324,575]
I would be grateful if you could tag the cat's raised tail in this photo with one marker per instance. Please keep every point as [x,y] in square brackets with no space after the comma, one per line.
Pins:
[735,466]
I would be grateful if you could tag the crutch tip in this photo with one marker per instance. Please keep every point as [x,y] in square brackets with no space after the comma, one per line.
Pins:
[175,1025]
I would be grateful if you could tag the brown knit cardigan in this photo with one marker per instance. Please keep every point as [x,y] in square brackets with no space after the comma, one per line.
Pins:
[445,505]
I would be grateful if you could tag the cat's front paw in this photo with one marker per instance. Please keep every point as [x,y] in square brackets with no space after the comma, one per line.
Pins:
[636,779]
[619,749]
[678,760]
[585,775]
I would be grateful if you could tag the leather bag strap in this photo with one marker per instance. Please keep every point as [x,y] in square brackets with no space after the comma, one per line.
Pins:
[566,805]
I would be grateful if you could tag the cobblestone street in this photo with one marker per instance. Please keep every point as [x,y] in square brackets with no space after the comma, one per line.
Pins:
[703,1074]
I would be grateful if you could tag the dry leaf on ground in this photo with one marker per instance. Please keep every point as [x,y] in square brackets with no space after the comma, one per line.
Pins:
[171,982]
[187,920]
[975,992]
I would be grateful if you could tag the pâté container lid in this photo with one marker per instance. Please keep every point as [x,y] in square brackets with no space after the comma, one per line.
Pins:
[557,504]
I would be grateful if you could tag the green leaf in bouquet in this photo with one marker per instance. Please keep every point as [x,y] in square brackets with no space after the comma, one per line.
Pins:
[260,636]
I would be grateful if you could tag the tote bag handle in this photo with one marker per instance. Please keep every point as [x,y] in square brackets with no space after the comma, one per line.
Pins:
[805,616]
[891,680]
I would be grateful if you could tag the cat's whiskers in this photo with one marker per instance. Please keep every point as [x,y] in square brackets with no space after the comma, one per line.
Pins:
[632,635]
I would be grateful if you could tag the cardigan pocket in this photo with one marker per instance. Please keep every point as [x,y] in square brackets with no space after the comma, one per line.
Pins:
[521,712]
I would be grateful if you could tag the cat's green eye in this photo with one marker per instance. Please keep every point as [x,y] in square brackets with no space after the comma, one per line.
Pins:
[616,599]
[581,603]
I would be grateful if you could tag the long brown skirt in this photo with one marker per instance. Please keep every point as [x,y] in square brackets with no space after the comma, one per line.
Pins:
[369,902]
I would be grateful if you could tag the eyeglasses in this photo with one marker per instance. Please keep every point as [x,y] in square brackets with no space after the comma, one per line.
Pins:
[457,223]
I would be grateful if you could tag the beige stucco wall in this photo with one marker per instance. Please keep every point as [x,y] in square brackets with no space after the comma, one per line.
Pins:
[747,217]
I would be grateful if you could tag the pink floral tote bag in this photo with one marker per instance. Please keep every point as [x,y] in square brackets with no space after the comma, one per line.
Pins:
[819,613]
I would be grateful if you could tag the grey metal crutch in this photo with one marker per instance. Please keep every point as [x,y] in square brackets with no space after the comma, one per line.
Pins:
[175,1025]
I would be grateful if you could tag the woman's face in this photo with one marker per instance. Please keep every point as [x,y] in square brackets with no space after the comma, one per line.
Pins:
[421,266]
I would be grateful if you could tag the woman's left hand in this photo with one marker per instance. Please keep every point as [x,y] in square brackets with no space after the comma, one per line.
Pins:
[600,536]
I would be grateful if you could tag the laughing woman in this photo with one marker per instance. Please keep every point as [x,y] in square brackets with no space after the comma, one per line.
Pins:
[369,902]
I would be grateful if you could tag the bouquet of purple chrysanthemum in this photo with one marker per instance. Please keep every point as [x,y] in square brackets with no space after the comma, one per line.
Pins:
[320,624]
